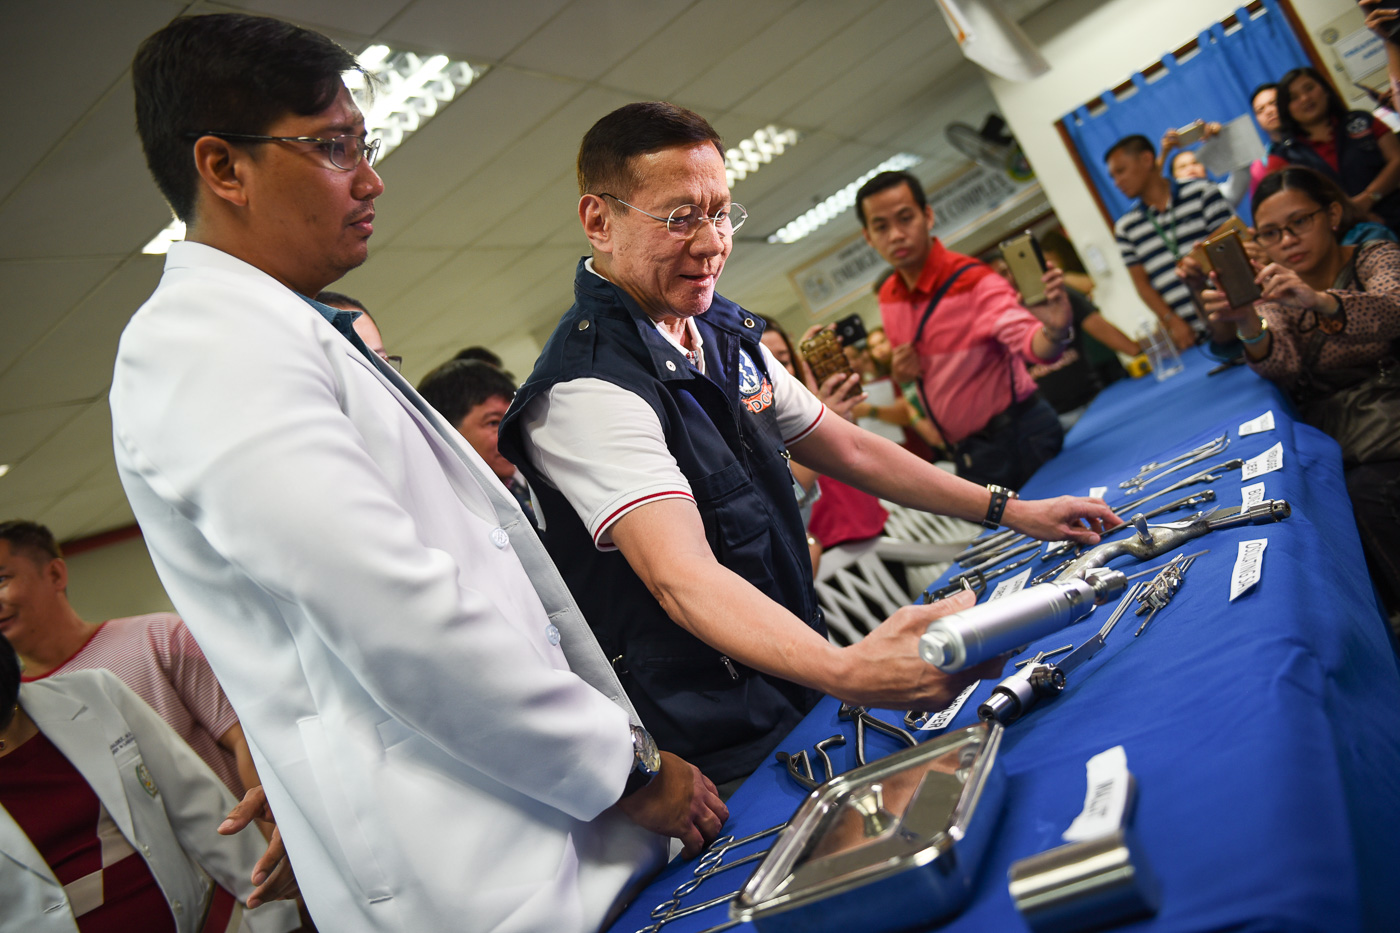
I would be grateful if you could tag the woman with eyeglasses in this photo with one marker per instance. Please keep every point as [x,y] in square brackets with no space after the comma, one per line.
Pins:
[1325,329]
[1351,147]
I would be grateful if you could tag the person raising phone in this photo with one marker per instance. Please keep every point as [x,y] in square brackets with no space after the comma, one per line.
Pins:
[1324,329]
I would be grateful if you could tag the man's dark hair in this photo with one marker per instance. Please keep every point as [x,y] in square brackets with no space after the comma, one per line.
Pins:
[340,300]
[458,386]
[606,151]
[885,181]
[31,539]
[1266,86]
[1336,107]
[225,73]
[1132,145]
[479,353]
[9,682]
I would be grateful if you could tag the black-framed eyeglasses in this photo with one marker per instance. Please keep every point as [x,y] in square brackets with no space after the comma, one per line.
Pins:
[684,222]
[1271,236]
[345,152]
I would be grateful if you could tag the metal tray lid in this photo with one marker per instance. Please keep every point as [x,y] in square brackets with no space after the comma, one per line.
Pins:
[905,811]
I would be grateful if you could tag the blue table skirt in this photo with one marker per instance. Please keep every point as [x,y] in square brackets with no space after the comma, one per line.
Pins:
[1264,734]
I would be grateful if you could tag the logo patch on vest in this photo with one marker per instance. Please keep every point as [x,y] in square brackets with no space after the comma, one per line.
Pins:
[1358,126]
[755,391]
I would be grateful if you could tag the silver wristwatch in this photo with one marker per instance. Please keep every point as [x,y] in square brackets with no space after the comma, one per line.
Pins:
[646,763]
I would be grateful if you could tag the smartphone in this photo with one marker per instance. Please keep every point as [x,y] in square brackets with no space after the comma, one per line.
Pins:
[1235,224]
[851,330]
[1232,267]
[1393,27]
[824,354]
[1191,133]
[1027,264]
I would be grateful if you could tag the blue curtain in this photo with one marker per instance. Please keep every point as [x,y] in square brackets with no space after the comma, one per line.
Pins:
[1212,85]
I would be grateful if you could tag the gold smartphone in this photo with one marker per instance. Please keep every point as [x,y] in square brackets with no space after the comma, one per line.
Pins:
[1191,132]
[1027,264]
[823,352]
[1233,270]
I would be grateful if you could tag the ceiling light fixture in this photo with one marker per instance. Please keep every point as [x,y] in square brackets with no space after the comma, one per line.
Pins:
[409,90]
[758,150]
[4,468]
[840,202]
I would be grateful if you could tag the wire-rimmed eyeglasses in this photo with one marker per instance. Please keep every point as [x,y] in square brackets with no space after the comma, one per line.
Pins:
[685,221]
[345,152]
[1269,236]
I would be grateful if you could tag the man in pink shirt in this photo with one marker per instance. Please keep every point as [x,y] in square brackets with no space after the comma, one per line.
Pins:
[960,332]
[154,655]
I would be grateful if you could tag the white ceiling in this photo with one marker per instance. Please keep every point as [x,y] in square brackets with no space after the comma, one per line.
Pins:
[476,236]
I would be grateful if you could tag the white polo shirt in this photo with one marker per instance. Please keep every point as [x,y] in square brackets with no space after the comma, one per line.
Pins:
[602,446]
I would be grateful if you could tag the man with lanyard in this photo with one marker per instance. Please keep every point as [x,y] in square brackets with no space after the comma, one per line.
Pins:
[1158,231]
[959,331]
[656,431]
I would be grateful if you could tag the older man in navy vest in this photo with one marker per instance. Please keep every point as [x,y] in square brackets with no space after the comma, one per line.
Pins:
[656,432]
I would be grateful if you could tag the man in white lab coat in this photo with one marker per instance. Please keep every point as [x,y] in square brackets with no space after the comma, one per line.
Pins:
[442,742]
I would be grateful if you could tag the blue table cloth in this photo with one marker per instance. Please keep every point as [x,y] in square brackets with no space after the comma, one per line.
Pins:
[1264,734]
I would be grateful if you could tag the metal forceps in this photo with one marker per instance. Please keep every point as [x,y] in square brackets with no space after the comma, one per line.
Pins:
[1147,475]
[1208,475]
[711,863]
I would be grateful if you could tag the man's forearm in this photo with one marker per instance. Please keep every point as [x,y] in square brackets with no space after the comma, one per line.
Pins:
[704,598]
[883,468]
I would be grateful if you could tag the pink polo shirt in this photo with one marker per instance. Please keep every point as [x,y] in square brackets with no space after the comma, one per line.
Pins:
[975,346]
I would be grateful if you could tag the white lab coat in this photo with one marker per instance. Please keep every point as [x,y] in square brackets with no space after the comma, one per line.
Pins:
[358,580]
[92,718]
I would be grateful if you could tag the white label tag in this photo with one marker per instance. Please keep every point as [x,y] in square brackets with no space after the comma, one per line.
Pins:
[1252,495]
[1267,462]
[1264,422]
[1249,566]
[941,720]
[1106,800]
[1007,587]
[1096,492]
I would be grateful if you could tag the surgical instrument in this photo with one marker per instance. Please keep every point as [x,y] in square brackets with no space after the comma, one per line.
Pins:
[1156,540]
[1205,451]
[862,718]
[1161,590]
[1208,475]
[966,638]
[1017,694]
[1155,465]
[1185,502]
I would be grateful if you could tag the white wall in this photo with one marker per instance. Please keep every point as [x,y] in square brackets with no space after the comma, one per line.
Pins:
[115,580]
[1093,45]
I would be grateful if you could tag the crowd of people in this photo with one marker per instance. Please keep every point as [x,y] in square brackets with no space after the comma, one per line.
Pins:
[1326,207]
[536,633]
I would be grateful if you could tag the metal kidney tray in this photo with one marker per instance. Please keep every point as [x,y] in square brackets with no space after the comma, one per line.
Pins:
[889,846]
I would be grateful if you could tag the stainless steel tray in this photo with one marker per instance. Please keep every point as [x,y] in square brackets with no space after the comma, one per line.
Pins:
[889,846]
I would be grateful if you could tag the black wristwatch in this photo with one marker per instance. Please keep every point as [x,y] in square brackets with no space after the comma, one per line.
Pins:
[1000,496]
[646,762]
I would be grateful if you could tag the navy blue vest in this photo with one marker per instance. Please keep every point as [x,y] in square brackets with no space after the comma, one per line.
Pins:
[1359,161]
[721,716]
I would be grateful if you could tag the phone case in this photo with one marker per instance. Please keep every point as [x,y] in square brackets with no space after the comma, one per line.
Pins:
[1027,265]
[1232,268]
[823,353]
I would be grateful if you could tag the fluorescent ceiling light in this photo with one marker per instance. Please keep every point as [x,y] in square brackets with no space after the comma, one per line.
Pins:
[409,90]
[4,468]
[756,151]
[840,202]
